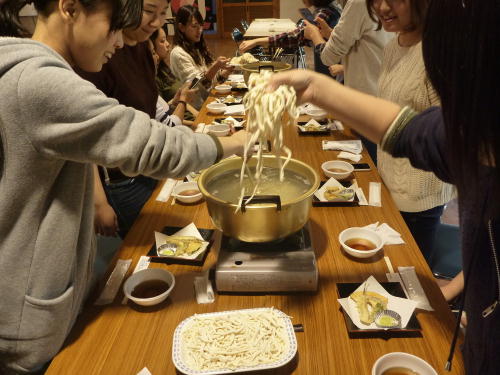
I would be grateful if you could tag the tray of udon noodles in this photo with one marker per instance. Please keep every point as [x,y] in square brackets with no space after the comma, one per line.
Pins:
[234,341]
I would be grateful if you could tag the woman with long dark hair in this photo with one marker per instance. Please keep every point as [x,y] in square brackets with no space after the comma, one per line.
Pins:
[460,143]
[190,56]
[54,125]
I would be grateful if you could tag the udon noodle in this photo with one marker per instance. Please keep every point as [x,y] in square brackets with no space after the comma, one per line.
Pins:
[267,115]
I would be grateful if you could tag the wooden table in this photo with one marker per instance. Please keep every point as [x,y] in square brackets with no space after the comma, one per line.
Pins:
[261,27]
[123,339]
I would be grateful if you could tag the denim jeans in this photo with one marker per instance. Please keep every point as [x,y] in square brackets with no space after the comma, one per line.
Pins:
[423,226]
[127,199]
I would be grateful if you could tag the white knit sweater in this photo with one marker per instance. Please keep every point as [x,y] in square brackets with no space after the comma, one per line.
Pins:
[403,80]
[184,68]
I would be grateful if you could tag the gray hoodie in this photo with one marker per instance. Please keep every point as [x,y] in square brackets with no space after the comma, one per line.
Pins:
[53,125]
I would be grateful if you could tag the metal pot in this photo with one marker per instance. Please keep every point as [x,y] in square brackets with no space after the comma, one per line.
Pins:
[266,218]
[256,67]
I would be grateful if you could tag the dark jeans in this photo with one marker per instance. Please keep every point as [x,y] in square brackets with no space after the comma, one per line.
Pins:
[371,148]
[127,199]
[423,226]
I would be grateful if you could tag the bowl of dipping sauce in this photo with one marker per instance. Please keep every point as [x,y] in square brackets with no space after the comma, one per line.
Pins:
[219,130]
[337,169]
[360,242]
[316,113]
[216,108]
[399,363]
[149,287]
[223,89]
[187,192]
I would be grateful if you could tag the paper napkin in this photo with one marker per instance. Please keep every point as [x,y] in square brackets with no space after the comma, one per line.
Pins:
[389,235]
[355,146]
[349,156]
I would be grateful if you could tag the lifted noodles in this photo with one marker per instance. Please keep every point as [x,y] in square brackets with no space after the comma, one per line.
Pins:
[267,114]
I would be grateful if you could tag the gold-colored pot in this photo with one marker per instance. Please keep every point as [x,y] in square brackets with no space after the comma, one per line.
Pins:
[259,222]
[256,67]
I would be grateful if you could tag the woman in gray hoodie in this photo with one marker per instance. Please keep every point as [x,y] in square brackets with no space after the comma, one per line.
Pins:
[53,127]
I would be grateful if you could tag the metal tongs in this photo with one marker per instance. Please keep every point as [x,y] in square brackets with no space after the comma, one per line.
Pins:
[277,53]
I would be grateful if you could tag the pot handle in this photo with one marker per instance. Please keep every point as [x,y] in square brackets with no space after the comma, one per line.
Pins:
[262,199]
[266,67]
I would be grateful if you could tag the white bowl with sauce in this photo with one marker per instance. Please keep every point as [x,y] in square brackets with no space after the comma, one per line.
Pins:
[187,192]
[337,169]
[216,108]
[223,89]
[405,363]
[360,242]
[149,287]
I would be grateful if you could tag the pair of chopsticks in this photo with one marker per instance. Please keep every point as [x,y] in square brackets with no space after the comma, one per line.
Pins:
[277,53]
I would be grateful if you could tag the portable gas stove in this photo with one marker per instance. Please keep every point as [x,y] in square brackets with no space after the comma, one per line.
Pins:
[287,265]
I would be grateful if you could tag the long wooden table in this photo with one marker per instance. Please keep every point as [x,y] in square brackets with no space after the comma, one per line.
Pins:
[123,339]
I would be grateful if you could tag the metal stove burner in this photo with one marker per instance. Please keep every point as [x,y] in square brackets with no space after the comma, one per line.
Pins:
[279,266]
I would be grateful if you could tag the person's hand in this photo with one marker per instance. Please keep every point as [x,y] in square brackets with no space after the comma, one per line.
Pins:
[247,45]
[336,69]
[105,220]
[235,144]
[324,28]
[306,83]
[311,31]
[222,62]
[186,94]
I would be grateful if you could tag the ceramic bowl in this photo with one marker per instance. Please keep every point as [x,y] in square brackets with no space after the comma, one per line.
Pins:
[149,274]
[216,108]
[219,130]
[363,234]
[186,186]
[405,360]
[337,164]
[317,113]
[223,89]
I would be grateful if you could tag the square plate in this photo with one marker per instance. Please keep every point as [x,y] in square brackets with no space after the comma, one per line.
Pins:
[324,131]
[182,366]
[346,183]
[198,261]
[237,118]
[413,327]
[237,100]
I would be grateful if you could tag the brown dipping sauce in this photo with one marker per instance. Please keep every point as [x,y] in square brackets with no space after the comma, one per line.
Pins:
[150,288]
[336,170]
[360,244]
[399,371]
[187,193]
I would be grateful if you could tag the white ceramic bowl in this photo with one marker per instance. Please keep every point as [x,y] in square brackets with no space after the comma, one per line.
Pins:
[317,113]
[219,130]
[179,188]
[223,89]
[216,108]
[338,164]
[367,234]
[146,275]
[400,359]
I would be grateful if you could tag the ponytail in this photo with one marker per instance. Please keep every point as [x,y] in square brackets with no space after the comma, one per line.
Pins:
[10,24]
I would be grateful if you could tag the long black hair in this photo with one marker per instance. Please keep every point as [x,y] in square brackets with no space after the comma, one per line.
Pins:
[199,50]
[125,13]
[461,58]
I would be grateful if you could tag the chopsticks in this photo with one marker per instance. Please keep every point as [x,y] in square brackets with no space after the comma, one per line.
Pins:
[277,53]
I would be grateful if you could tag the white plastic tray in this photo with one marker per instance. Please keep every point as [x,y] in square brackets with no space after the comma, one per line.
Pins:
[183,367]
